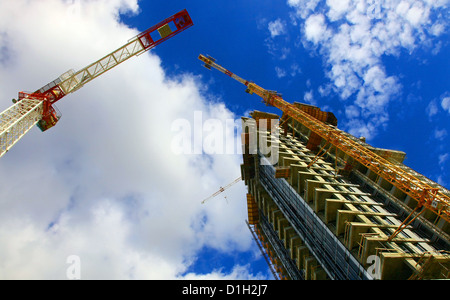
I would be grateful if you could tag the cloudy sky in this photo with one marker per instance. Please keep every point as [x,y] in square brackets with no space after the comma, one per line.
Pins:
[109,183]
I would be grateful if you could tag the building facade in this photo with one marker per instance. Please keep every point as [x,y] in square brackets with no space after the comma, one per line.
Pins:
[318,214]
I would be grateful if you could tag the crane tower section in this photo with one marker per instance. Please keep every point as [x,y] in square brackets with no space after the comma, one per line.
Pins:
[37,108]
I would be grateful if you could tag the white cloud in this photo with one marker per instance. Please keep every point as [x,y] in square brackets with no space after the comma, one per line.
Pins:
[103,183]
[295,69]
[238,273]
[432,109]
[445,103]
[303,8]
[440,134]
[309,97]
[417,14]
[315,28]
[325,91]
[337,8]
[443,158]
[280,53]
[277,27]
[352,37]
[441,181]
[351,111]
[280,72]
[359,128]
[438,28]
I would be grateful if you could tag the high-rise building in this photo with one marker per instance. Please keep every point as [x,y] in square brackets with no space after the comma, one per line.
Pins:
[323,204]
[317,213]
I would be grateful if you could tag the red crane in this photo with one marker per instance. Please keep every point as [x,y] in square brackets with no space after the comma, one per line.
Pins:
[38,107]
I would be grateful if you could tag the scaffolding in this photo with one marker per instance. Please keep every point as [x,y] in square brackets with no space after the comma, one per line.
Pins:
[336,260]
[317,223]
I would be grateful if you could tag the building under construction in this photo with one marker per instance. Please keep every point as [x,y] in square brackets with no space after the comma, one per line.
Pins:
[326,205]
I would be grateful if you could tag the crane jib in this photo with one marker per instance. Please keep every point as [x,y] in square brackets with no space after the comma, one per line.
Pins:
[141,43]
[425,195]
[38,107]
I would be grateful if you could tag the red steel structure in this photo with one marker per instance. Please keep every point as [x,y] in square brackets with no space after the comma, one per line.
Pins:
[38,107]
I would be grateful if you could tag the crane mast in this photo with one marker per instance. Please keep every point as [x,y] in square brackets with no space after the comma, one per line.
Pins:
[425,195]
[37,108]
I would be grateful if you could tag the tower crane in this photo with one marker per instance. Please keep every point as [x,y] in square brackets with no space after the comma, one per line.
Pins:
[425,195]
[38,108]
[222,189]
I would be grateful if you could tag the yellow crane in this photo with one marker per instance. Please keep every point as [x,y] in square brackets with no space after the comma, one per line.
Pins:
[426,196]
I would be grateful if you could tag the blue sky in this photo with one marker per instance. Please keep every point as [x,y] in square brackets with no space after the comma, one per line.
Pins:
[104,185]
[266,42]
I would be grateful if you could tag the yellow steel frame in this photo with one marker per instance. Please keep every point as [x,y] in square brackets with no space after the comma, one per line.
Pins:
[417,189]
